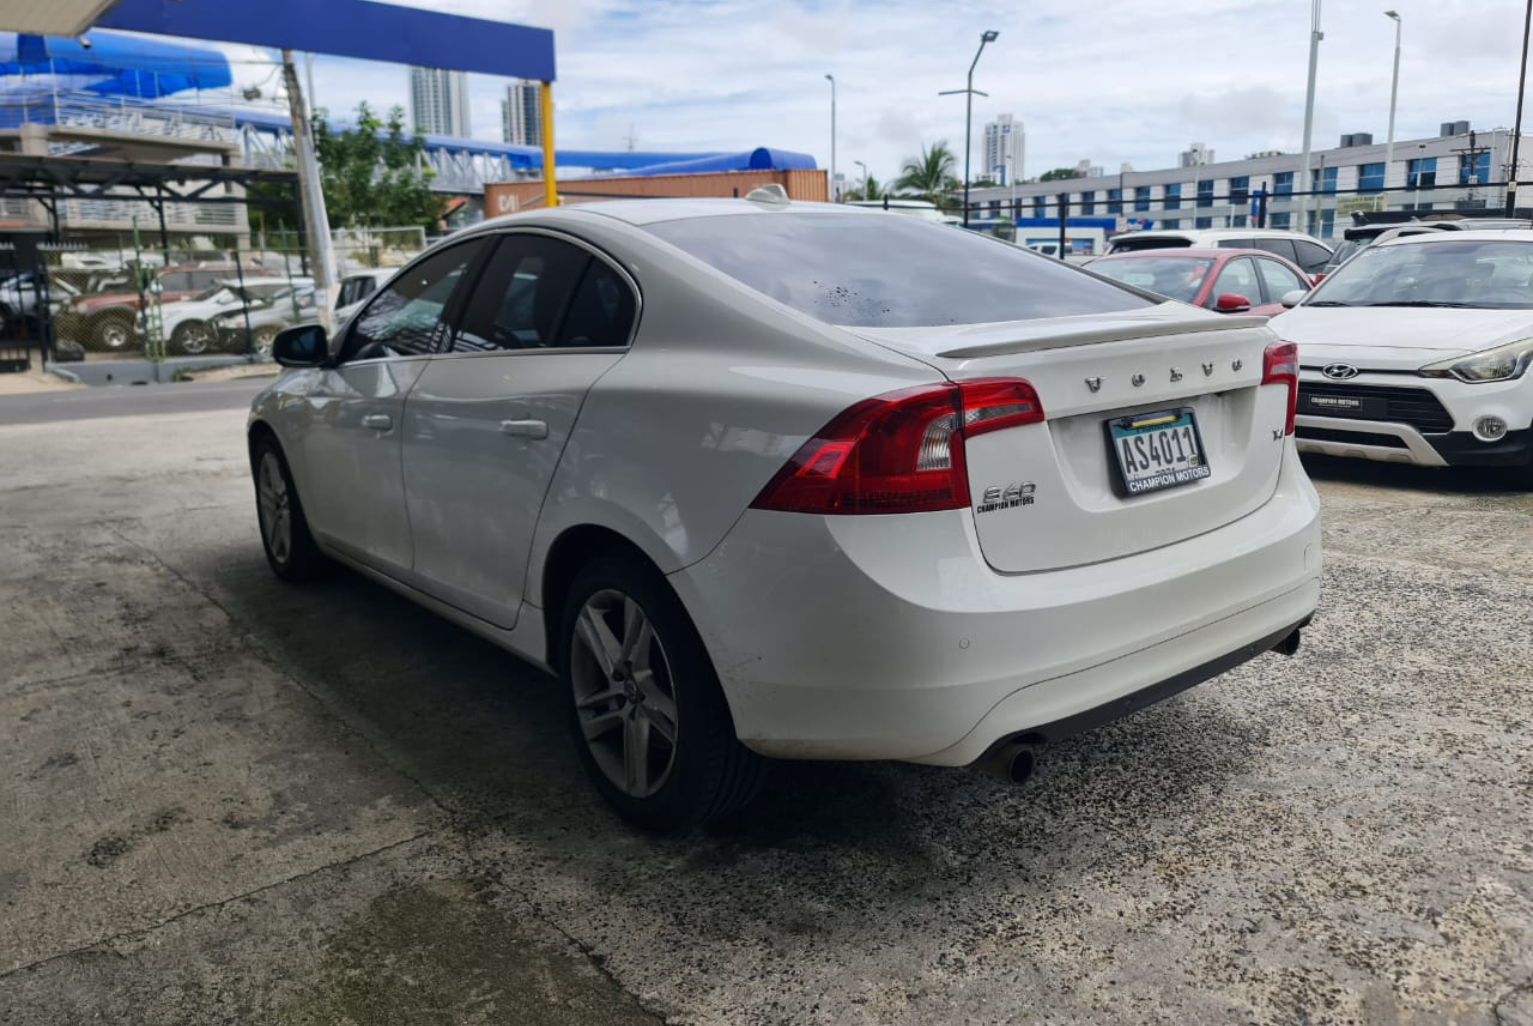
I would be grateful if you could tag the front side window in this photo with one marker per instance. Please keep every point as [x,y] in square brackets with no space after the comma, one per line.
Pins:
[1476,275]
[1278,279]
[404,319]
[878,271]
[538,292]
[1237,278]
[1311,256]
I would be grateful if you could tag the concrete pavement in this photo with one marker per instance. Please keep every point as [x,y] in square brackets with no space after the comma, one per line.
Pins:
[229,799]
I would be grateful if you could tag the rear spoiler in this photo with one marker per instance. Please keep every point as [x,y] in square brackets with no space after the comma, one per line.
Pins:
[1112,332]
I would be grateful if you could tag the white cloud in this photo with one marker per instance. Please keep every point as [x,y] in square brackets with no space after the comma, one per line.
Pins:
[1113,80]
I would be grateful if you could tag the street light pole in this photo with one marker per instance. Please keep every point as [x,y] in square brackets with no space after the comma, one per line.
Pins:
[1394,94]
[832,80]
[1522,79]
[1315,35]
[988,36]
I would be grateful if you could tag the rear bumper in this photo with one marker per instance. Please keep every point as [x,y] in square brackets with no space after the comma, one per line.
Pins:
[890,637]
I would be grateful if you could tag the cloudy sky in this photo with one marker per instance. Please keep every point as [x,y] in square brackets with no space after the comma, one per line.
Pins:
[1102,79]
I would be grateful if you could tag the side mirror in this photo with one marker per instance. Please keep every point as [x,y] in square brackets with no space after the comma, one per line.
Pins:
[1293,299]
[301,346]
[1231,302]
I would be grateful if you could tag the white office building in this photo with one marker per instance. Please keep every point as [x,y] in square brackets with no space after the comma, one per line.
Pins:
[1454,170]
[439,102]
[521,114]
[1005,143]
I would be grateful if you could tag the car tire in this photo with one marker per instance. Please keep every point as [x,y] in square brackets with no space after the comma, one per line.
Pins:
[194,338]
[112,332]
[261,341]
[290,548]
[662,683]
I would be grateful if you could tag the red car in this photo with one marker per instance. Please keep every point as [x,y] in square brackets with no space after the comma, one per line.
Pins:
[1226,280]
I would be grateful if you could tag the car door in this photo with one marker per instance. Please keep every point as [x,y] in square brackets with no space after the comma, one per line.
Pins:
[487,422]
[353,488]
[1277,279]
[1237,277]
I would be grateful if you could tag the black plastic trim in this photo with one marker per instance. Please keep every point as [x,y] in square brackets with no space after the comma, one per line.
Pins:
[1148,696]
[1463,449]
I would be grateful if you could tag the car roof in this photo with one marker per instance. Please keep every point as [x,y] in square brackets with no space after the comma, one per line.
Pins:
[656,211]
[1218,233]
[1482,235]
[1189,253]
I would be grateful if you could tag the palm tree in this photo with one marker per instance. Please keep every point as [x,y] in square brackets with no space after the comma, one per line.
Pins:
[930,175]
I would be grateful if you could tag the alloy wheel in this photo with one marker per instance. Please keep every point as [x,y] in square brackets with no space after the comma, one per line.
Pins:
[625,697]
[275,509]
[194,338]
[114,334]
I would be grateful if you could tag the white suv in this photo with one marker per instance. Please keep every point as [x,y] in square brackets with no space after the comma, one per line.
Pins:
[1417,351]
[1297,247]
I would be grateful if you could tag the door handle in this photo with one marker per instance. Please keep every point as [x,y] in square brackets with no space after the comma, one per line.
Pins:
[524,428]
[378,421]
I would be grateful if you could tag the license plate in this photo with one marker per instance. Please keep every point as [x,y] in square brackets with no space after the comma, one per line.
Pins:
[1157,450]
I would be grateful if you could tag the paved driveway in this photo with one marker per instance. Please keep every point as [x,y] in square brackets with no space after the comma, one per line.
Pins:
[227,799]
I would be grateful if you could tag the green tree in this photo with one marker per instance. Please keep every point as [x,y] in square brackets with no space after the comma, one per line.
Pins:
[368,181]
[930,175]
[867,190]
[372,174]
[1060,174]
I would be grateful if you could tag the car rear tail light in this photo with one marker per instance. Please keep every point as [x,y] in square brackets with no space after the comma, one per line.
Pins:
[899,453]
[1280,366]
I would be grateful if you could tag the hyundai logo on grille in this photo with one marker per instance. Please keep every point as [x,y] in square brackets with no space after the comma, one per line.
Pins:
[1339,371]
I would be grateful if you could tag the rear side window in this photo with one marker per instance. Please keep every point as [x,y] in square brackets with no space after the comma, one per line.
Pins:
[885,270]
[1133,244]
[1312,256]
[1282,247]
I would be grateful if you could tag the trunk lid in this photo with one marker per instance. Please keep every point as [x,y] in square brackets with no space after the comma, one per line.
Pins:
[1080,510]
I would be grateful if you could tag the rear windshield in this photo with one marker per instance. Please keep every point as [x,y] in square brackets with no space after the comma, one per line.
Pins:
[890,271]
[1130,245]
[1175,277]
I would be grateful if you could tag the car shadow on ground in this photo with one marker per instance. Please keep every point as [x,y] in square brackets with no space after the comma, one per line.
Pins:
[1489,481]
[486,735]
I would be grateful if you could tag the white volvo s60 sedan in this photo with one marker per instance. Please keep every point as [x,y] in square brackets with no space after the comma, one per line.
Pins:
[759,479]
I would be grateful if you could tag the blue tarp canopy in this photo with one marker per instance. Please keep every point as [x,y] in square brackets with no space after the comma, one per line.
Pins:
[115,64]
[762,158]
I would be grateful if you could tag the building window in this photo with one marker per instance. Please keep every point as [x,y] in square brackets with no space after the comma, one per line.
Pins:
[1474,168]
[1282,183]
[1203,222]
[1283,220]
[1115,201]
[1323,180]
[1174,197]
[1240,190]
[1205,196]
[1421,173]
[1172,225]
[1370,177]
[1327,224]
[1141,197]
[1238,221]
[1089,202]
[1040,206]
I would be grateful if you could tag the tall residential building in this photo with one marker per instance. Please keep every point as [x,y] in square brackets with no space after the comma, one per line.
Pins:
[1086,169]
[1195,156]
[439,102]
[521,114]
[1005,142]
